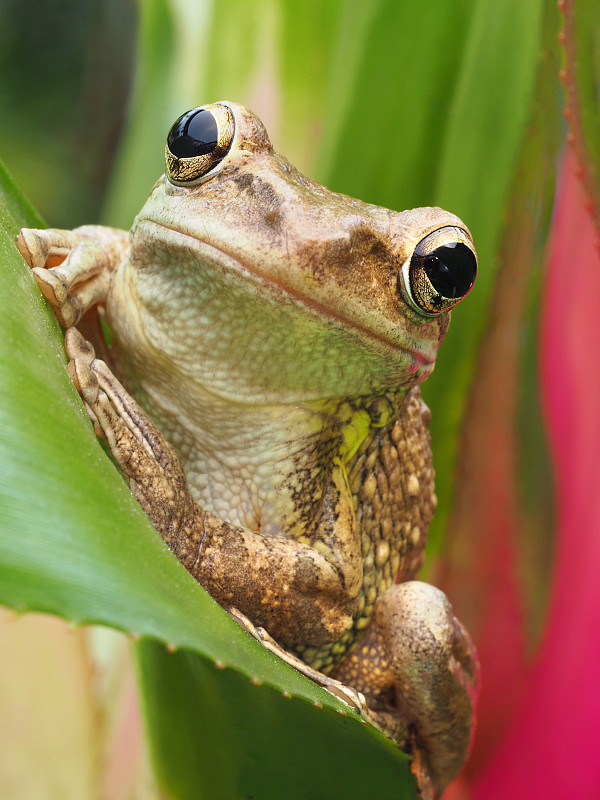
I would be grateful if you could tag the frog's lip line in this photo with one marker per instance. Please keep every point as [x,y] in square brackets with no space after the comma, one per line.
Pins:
[420,357]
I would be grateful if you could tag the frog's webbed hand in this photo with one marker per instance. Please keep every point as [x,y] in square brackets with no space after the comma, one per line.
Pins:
[73,268]
[294,590]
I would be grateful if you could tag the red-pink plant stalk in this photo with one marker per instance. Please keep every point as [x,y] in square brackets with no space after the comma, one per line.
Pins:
[551,749]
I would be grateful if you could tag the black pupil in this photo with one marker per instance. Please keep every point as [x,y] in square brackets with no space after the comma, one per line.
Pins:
[451,269]
[194,134]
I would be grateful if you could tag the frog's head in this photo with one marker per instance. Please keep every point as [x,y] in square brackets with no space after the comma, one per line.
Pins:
[267,285]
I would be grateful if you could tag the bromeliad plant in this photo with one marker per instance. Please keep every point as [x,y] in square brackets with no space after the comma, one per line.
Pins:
[402,120]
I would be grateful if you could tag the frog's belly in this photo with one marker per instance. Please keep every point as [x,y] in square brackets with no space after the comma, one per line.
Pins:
[251,496]
[249,465]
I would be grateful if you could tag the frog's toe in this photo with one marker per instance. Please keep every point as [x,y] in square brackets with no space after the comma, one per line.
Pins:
[150,463]
[436,673]
[112,407]
[85,371]
[84,380]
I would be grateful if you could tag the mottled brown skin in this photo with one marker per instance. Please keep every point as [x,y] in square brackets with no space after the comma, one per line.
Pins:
[259,320]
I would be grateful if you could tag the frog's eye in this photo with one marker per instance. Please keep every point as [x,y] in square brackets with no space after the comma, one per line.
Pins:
[198,141]
[440,272]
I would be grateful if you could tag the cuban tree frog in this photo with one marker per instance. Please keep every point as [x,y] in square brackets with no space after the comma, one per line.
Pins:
[274,334]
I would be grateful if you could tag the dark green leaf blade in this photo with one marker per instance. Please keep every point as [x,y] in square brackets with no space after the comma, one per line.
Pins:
[581,42]
[252,753]
[15,209]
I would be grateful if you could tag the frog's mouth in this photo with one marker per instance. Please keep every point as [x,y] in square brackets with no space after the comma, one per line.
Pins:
[423,359]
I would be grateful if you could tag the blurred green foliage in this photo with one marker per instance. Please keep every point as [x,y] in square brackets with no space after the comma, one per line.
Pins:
[66,67]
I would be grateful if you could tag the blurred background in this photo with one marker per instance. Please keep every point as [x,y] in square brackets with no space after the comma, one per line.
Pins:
[67,72]
[468,105]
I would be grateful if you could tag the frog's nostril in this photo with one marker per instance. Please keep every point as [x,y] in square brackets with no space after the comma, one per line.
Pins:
[441,271]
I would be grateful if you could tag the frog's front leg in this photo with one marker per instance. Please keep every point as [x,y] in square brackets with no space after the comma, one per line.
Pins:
[419,672]
[298,592]
[73,268]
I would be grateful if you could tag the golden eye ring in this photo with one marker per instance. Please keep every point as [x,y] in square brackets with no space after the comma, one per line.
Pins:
[197,142]
[440,272]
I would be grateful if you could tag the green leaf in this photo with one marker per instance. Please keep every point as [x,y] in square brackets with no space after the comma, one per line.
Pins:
[500,581]
[74,543]
[15,209]
[141,159]
[270,56]
[232,749]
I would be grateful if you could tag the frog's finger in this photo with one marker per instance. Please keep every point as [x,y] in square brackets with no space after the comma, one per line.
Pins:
[78,283]
[82,263]
[73,268]
[46,248]
[91,285]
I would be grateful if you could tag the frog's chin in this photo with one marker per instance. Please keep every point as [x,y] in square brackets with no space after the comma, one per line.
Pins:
[423,368]
[297,385]
[418,370]
[421,351]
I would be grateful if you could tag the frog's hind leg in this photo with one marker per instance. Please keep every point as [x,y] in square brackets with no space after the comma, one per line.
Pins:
[419,673]
[73,268]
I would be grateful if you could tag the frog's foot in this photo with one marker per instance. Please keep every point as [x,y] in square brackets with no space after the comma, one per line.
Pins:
[73,268]
[355,700]
[156,477]
[419,671]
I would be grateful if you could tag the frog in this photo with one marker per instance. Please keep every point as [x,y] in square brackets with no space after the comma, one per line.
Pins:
[261,394]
